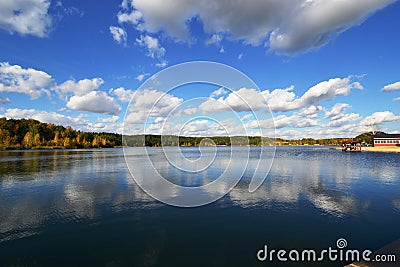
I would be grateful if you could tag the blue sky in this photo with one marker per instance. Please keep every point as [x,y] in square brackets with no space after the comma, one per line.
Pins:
[325,68]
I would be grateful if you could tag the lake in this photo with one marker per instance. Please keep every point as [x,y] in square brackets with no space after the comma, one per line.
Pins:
[82,208]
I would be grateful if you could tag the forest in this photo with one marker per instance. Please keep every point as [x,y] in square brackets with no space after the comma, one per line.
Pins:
[33,134]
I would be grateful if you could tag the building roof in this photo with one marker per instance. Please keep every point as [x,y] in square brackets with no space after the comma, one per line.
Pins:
[386,136]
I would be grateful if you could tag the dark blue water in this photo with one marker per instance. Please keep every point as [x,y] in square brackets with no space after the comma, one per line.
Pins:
[82,208]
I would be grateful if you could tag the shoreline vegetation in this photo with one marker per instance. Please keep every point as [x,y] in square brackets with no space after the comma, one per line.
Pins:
[17,134]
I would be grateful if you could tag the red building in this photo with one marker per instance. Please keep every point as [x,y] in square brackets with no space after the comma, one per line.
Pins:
[386,140]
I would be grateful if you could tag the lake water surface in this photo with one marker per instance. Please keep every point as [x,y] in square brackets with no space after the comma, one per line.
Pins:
[82,208]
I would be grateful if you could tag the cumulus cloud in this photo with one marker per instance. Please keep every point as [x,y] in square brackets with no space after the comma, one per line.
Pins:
[328,90]
[337,111]
[286,26]
[391,87]
[81,87]
[26,17]
[244,99]
[123,94]
[286,100]
[95,101]
[221,91]
[283,121]
[151,103]
[338,117]
[119,34]
[314,23]
[13,78]
[113,119]
[343,120]
[202,128]
[379,118]
[281,100]
[311,111]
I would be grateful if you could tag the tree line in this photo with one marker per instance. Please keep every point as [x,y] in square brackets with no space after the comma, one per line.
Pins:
[172,140]
[33,134]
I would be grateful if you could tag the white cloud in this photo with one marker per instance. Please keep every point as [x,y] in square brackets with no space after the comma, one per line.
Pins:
[282,100]
[314,23]
[379,118]
[283,121]
[221,91]
[154,49]
[125,4]
[151,103]
[343,120]
[328,90]
[286,100]
[162,64]
[119,34]
[243,99]
[132,17]
[113,119]
[14,78]
[247,117]
[81,87]
[391,87]
[4,100]
[214,39]
[141,77]
[95,101]
[203,128]
[286,26]
[240,56]
[123,94]
[397,99]
[311,111]
[338,117]
[184,112]
[27,17]
[337,111]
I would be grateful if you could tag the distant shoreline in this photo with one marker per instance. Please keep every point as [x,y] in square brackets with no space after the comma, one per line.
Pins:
[395,150]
